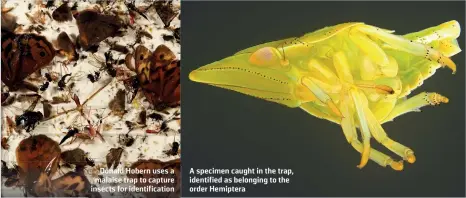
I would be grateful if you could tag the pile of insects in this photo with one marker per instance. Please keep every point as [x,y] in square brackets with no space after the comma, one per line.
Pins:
[86,86]
[353,74]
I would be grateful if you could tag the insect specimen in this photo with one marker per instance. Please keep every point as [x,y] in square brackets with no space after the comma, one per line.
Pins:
[62,82]
[94,27]
[126,140]
[94,77]
[175,146]
[163,126]
[113,157]
[62,13]
[70,133]
[36,152]
[22,55]
[40,184]
[67,47]
[352,74]
[44,86]
[117,104]
[158,75]
[11,174]
[76,157]
[166,11]
[5,144]
[108,64]
[29,119]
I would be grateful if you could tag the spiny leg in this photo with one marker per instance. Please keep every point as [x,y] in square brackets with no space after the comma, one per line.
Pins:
[415,103]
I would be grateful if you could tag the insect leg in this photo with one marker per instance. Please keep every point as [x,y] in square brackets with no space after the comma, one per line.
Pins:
[369,47]
[381,136]
[378,157]
[323,76]
[363,123]
[447,30]
[415,103]
[349,131]
[342,67]
[321,95]
[320,111]
[409,46]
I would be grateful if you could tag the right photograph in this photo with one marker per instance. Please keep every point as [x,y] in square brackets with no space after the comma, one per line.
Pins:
[323,99]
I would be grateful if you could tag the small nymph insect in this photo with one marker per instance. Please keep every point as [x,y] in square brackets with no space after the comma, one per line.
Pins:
[352,74]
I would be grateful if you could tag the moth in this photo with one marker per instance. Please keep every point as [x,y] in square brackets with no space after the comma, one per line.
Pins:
[113,157]
[353,74]
[66,47]
[39,183]
[62,13]
[22,55]
[158,75]
[117,104]
[94,27]
[166,11]
[36,152]
[76,157]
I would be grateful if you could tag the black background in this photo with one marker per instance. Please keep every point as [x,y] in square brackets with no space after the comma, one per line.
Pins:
[225,129]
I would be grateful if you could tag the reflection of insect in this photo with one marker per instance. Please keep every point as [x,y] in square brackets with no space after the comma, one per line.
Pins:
[353,74]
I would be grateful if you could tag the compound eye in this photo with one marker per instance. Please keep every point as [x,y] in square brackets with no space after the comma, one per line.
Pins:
[267,57]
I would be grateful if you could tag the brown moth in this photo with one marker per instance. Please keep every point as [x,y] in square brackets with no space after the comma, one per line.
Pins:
[22,55]
[62,13]
[113,157]
[158,75]
[95,27]
[35,154]
[66,47]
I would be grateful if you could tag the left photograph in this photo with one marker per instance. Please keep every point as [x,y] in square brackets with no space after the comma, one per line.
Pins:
[90,98]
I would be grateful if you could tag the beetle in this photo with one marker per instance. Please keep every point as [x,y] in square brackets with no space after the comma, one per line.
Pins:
[353,74]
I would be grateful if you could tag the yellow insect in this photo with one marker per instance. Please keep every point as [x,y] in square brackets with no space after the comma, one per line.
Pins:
[352,74]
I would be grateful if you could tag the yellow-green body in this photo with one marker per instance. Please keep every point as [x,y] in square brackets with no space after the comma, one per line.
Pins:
[352,74]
